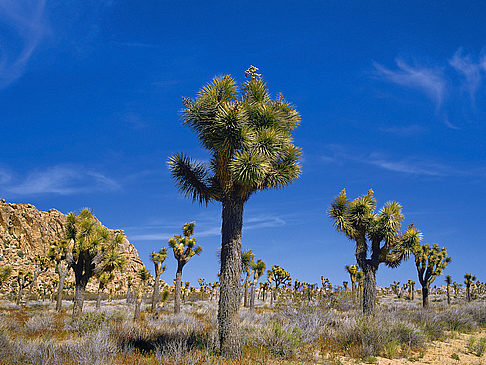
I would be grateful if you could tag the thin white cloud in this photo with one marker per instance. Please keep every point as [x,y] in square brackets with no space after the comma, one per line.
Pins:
[430,81]
[63,180]
[469,70]
[5,176]
[407,166]
[26,23]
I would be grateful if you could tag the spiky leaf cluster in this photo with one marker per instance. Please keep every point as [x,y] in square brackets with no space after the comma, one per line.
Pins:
[248,135]
[469,279]
[430,261]
[375,232]
[184,246]
[247,262]
[259,268]
[279,276]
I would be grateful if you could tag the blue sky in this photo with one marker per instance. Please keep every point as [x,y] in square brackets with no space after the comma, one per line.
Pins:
[391,96]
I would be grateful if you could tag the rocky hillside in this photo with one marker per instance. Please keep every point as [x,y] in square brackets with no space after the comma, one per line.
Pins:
[26,232]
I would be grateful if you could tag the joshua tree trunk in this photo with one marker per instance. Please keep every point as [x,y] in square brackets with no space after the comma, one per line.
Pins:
[245,301]
[155,296]
[448,295]
[229,332]
[138,303]
[425,295]
[60,288]
[177,294]
[369,289]
[81,283]
[252,296]
[98,300]
[468,292]
[129,294]
[19,294]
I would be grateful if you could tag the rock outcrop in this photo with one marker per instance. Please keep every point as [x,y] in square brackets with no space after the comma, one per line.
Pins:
[26,232]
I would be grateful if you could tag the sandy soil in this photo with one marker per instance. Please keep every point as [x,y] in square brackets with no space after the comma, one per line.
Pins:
[436,353]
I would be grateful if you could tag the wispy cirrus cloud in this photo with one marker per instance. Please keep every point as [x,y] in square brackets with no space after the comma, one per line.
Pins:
[430,81]
[469,70]
[206,228]
[410,165]
[404,131]
[61,180]
[23,26]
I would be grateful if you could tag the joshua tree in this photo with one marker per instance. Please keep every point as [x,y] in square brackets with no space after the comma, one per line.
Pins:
[143,278]
[448,281]
[104,278]
[158,259]
[186,290]
[41,264]
[394,287]
[377,233]
[58,253]
[411,289]
[280,277]
[430,262]
[258,270]
[94,249]
[129,298]
[24,279]
[456,289]
[184,248]
[469,280]
[345,285]
[247,262]
[5,273]
[352,270]
[250,142]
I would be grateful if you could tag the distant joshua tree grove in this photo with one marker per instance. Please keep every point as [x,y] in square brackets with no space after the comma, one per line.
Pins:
[249,137]
[375,232]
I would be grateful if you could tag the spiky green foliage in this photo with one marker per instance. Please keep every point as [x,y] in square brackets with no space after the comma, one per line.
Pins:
[184,247]
[377,233]
[5,273]
[279,276]
[248,136]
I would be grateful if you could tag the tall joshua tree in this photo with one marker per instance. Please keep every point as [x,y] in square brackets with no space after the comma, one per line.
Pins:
[184,248]
[58,252]
[258,270]
[469,280]
[94,249]
[249,137]
[430,262]
[158,259]
[247,262]
[24,279]
[448,281]
[374,232]
[144,278]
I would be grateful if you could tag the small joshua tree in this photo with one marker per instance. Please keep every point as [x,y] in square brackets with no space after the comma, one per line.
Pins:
[448,281]
[411,289]
[5,273]
[247,261]
[184,248]
[430,262]
[24,279]
[158,259]
[104,278]
[41,265]
[58,252]
[258,270]
[280,277]
[144,278]
[374,233]
[352,270]
[469,280]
